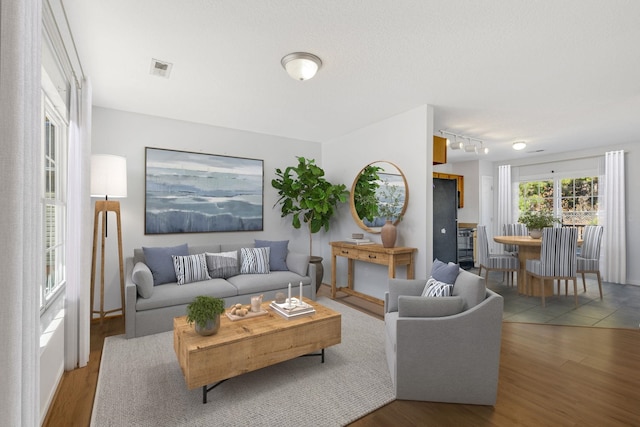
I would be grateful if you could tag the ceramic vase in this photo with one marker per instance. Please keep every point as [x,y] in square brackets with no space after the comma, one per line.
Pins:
[535,234]
[388,234]
[210,328]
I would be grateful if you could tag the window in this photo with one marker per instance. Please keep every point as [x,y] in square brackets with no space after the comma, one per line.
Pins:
[54,203]
[573,200]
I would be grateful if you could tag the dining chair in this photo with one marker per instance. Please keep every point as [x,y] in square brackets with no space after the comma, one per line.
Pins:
[558,259]
[516,229]
[589,258]
[495,262]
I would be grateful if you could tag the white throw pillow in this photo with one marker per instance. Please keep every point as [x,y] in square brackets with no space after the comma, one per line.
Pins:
[254,261]
[190,268]
[434,288]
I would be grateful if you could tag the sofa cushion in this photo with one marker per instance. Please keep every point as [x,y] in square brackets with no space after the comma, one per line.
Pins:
[443,272]
[434,288]
[298,263]
[258,283]
[278,251]
[190,268]
[142,277]
[254,260]
[470,287]
[160,263]
[171,294]
[429,307]
[222,265]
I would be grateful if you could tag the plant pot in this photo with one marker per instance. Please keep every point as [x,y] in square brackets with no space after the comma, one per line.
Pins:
[535,234]
[317,261]
[388,234]
[210,328]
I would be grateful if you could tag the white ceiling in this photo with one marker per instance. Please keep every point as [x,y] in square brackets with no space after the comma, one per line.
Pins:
[561,75]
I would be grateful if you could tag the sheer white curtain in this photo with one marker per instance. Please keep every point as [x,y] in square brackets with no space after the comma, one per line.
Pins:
[20,210]
[613,262]
[505,211]
[77,305]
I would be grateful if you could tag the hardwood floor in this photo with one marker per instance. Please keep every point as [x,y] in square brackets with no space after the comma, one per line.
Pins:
[549,376]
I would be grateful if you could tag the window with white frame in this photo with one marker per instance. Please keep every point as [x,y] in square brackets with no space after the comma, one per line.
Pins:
[54,137]
[573,200]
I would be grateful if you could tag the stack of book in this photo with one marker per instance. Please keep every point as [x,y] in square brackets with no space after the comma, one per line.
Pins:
[293,309]
[359,241]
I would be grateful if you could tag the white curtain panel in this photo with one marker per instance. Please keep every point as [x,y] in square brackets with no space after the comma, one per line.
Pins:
[505,199]
[77,305]
[20,211]
[613,262]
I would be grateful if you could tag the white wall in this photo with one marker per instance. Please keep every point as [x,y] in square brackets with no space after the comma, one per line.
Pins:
[127,134]
[406,141]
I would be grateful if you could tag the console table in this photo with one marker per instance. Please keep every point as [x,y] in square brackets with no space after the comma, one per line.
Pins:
[374,253]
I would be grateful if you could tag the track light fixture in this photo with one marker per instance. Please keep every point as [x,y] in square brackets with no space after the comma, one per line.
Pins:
[459,144]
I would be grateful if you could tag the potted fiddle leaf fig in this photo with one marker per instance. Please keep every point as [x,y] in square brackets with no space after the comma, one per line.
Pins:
[205,312]
[307,196]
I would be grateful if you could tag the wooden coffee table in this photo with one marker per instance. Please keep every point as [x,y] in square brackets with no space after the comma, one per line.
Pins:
[249,344]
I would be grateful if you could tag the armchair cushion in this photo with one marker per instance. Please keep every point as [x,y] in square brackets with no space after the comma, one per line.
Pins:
[470,287]
[410,306]
[397,287]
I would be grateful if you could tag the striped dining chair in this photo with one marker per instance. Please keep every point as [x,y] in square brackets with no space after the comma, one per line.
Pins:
[489,261]
[558,259]
[516,229]
[589,258]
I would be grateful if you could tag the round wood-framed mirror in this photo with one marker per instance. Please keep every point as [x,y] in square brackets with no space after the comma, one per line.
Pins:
[380,187]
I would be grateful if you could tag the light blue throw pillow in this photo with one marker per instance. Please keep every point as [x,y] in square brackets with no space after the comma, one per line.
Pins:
[160,262]
[278,250]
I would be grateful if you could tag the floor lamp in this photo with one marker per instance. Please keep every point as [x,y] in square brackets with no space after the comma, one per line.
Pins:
[108,179]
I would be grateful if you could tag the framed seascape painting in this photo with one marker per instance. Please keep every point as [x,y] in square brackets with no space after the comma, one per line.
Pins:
[200,193]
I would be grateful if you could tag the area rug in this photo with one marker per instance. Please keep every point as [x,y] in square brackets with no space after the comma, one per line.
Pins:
[141,384]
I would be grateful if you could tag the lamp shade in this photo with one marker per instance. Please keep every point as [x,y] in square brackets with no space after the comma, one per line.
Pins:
[301,65]
[108,176]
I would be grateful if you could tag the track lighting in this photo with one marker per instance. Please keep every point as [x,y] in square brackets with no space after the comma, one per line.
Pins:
[468,147]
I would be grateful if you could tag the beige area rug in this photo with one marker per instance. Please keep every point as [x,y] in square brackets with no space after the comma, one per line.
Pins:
[140,384]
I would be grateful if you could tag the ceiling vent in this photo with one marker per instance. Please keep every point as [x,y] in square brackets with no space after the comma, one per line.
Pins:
[160,68]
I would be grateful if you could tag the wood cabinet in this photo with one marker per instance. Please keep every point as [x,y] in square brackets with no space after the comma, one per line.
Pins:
[460,181]
[439,150]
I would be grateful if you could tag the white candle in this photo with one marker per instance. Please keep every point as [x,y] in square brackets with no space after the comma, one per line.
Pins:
[289,301]
[300,293]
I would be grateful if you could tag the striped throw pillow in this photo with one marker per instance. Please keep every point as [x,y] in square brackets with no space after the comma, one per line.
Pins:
[434,288]
[190,268]
[223,264]
[254,261]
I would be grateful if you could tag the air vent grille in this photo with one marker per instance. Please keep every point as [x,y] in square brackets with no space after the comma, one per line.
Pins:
[160,68]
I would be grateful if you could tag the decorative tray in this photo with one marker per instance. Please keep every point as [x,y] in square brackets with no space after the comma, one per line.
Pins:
[249,315]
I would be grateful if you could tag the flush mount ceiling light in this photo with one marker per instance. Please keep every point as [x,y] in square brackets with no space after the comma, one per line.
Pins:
[301,65]
[519,145]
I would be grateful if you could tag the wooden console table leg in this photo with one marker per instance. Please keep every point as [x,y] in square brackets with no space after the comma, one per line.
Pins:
[333,277]
[350,273]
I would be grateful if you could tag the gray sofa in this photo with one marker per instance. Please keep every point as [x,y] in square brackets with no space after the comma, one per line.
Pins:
[155,313]
[444,349]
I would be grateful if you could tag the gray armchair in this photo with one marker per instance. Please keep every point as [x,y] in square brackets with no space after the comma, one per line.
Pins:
[444,349]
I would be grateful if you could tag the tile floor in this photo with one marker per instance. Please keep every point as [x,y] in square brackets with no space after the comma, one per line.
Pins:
[619,308]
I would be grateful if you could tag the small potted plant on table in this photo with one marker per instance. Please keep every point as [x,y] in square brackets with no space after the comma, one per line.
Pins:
[536,221]
[205,312]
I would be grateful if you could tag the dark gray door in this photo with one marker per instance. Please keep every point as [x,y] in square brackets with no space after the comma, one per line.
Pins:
[445,220]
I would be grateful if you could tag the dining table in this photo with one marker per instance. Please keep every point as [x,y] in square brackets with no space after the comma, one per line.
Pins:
[528,248]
